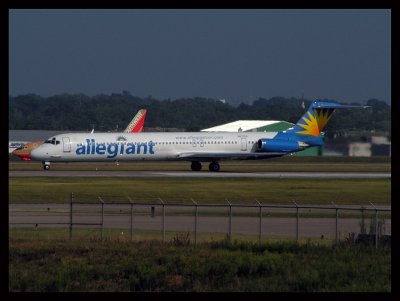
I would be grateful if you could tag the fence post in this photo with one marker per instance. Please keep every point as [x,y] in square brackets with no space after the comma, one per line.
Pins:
[337,217]
[163,220]
[131,201]
[195,223]
[70,215]
[102,217]
[230,221]
[260,223]
[376,225]
[297,222]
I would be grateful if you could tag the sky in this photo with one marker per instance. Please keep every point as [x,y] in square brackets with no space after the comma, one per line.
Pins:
[234,54]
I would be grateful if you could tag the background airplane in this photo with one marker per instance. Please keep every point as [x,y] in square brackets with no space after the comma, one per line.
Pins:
[137,123]
[135,126]
[23,151]
[195,147]
[13,145]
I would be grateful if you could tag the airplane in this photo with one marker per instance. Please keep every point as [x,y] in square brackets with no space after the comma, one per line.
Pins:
[13,145]
[137,123]
[135,126]
[195,147]
[24,150]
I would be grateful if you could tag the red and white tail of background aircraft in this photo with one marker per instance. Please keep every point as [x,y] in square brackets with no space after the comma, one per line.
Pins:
[137,123]
[135,126]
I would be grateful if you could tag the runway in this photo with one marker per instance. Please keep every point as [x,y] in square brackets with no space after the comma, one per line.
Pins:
[201,174]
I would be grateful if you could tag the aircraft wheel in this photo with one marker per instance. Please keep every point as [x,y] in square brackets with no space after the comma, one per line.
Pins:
[196,166]
[46,166]
[214,166]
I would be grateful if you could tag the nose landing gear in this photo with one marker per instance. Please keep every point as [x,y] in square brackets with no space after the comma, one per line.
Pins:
[46,165]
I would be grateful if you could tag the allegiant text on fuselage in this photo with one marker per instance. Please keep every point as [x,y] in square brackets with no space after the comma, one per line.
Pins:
[114,148]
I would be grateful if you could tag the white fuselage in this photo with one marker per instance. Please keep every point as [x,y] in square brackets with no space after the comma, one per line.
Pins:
[71,147]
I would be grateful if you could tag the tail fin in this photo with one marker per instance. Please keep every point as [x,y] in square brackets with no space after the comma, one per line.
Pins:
[316,118]
[137,123]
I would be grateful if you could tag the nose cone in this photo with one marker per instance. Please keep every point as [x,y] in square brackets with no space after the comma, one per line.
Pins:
[36,154]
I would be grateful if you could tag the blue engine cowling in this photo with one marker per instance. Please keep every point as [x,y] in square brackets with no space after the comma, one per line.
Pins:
[277,145]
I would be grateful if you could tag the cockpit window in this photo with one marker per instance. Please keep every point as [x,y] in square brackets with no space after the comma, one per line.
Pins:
[52,141]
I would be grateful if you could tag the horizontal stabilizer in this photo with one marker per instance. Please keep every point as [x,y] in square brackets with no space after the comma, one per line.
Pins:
[333,105]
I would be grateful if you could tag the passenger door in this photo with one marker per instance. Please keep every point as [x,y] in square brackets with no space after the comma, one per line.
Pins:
[66,144]
[244,144]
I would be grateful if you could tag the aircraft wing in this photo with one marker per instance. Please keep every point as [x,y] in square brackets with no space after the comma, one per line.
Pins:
[216,156]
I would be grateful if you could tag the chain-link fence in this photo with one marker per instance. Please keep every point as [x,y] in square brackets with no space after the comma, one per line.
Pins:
[365,224]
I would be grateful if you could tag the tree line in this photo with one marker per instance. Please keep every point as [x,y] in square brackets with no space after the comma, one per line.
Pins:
[79,112]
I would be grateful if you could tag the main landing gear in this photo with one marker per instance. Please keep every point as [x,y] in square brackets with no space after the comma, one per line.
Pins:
[196,166]
[46,165]
[214,166]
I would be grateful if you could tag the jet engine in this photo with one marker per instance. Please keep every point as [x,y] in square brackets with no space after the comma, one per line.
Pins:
[277,145]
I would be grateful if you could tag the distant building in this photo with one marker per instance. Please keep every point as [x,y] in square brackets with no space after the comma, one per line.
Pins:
[379,146]
[251,126]
[379,140]
[360,149]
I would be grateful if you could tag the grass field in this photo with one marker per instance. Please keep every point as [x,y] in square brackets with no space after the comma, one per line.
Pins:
[203,190]
[37,264]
